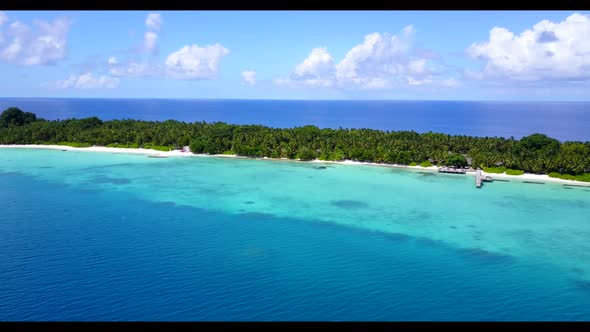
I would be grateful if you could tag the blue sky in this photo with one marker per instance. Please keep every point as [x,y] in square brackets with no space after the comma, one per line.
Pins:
[442,55]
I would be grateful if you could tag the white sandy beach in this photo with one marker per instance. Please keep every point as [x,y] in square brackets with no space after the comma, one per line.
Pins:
[533,178]
[502,176]
[179,153]
[149,152]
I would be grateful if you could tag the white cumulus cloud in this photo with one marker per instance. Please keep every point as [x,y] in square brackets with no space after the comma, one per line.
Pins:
[195,62]
[131,68]
[249,77]
[153,21]
[319,63]
[85,81]
[381,61]
[150,42]
[549,50]
[45,45]
[379,55]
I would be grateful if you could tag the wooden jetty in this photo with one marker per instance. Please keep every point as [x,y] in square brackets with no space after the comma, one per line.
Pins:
[451,170]
[478,178]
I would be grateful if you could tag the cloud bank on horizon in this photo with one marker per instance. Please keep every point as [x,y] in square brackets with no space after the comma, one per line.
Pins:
[546,53]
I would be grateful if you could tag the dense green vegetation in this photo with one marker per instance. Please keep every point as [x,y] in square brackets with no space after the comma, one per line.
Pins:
[136,145]
[497,170]
[536,153]
[455,159]
[581,177]
[74,144]
[413,163]
[15,117]
[124,146]
[157,147]
[502,169]
[426,164]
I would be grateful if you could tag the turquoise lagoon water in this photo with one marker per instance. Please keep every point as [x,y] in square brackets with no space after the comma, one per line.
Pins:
[98,236]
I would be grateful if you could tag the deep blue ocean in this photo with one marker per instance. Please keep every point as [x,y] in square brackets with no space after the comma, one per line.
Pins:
[561,120]
[112,236]
[100,236]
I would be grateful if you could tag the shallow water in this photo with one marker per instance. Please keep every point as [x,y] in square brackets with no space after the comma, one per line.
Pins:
[98,236]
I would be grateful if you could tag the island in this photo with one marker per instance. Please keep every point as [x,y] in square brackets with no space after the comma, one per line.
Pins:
[536,154]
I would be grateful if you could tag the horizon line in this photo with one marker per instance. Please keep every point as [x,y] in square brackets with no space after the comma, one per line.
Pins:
[311,100]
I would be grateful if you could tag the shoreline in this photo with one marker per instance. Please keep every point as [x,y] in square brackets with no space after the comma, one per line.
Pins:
[139,151]
[178,153]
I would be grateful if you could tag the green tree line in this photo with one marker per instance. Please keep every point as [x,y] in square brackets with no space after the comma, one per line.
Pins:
[536,153]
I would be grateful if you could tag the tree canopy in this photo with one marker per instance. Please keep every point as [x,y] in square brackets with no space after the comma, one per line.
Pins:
[14,116]
[454,159]
[536,153]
